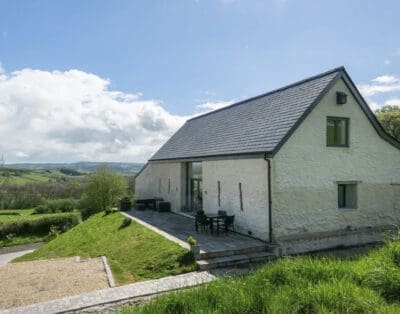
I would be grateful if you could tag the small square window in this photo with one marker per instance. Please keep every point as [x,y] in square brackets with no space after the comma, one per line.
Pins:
[337,132]
[347,196]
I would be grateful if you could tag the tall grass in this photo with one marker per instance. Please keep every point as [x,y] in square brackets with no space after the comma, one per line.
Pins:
[368,284]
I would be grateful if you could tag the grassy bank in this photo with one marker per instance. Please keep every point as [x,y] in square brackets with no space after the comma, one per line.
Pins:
[369,284]
[134,252]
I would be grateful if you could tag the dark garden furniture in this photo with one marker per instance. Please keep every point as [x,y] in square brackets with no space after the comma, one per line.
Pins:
[164,206]
[202,221]
[157,201]
[216,220]
[149,202]
[125,204]
[227,223]
[222,212]
[140,206]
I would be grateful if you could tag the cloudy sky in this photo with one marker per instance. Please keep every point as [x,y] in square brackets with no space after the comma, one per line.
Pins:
[112,80]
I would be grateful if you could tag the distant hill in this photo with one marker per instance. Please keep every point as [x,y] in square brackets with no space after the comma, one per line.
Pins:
[84,166]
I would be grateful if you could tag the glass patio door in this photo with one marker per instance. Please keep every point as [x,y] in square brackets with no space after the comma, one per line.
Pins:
[196,194]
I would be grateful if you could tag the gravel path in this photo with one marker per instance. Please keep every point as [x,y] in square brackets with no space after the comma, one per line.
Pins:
[38,281]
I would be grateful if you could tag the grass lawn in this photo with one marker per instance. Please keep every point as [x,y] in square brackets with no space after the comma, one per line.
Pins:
[134,252]
[15,214]
[21,214]
[369,284]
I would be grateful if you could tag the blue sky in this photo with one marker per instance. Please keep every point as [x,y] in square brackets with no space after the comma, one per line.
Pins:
[179,55]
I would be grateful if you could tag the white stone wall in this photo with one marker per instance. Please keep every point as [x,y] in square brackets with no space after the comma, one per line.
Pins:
[305,170]
[153,181]
[252,174]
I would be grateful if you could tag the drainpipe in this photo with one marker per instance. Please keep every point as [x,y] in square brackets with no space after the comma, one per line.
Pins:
[268,160]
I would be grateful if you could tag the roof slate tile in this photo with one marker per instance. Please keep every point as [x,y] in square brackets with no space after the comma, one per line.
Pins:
[255,125]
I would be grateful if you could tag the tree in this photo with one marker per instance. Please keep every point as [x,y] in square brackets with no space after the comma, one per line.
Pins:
[389,117]
[104,189]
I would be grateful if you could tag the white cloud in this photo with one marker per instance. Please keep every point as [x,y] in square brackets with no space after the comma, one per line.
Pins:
[380,84]
[385,79]
[1,68]
[21,155]
[393,102]
[211,106]
[387,61]
[379,89]
[73,115]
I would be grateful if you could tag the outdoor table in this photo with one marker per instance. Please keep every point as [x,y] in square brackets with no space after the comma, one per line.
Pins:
[215,217]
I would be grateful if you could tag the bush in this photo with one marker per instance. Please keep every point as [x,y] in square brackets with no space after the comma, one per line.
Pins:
[56,206]
[40,226]
[126,222]
[54,232]
[192,241]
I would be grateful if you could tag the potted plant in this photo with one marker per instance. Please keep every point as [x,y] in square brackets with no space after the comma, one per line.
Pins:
[125,204]
[194,247]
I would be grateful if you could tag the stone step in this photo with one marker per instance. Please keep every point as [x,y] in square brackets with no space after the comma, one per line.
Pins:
[233,260]
[243,251]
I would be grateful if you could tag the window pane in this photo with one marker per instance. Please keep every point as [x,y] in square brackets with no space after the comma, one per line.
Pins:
[341,195]
[330,133]
[341,132]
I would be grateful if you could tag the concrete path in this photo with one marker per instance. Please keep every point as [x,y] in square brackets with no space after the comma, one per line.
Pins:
[8,257]
[107,299]
[21,247]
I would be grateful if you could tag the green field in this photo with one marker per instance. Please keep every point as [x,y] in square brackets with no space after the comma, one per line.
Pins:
[369,284]
[8,215]
[23,176]
[134,252]
[15,214]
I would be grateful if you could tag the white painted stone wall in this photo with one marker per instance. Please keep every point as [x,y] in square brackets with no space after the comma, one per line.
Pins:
[252,174]
[305,170]
[153,181]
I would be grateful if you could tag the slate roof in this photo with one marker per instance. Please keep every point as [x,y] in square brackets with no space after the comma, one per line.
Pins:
[255,125]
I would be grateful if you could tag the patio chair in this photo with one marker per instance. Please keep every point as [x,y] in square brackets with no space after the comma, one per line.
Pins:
[222,212]
[202,221]
[228,223]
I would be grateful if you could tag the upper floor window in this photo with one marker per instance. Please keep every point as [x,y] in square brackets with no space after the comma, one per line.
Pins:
[337,131]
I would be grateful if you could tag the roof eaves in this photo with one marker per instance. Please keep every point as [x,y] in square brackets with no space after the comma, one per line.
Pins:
[217,156]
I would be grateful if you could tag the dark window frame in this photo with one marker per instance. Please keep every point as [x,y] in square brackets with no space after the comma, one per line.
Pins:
[336,132]
[342,202]
[347,195]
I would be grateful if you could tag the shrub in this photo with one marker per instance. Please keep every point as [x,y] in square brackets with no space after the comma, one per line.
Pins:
[40,226]
[41,209]
[192,241]
[65,205]
[126,222]
[54,232]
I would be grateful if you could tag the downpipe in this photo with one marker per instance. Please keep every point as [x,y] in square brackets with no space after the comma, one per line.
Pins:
[268,160]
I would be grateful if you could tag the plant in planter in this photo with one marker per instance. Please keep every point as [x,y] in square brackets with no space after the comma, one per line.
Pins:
[125,204]
[194,247]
